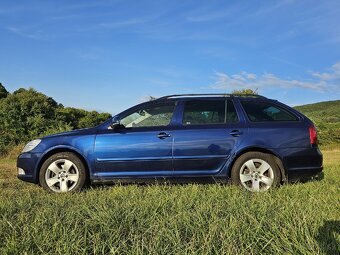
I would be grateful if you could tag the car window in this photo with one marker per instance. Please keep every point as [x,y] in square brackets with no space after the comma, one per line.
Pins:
[204,112]
[266,111]
[150,116]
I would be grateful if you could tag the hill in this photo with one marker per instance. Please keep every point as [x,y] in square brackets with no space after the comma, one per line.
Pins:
[328,111]
[326,116]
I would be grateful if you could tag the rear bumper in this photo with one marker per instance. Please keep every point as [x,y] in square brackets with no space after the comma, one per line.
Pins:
[28,162]
[306,174]
[302,164]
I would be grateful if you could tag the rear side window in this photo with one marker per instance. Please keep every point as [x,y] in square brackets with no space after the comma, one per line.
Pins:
[266,111]
[200,112]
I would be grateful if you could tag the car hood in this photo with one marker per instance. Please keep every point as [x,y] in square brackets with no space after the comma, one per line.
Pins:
[83,131]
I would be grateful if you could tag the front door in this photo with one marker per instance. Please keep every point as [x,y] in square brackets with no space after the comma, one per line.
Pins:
[209,132]
[141,147]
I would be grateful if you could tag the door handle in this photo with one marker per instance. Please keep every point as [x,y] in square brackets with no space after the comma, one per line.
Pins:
[163,135]
[235,132]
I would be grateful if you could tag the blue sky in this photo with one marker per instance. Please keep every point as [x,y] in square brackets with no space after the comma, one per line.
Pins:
[109,55]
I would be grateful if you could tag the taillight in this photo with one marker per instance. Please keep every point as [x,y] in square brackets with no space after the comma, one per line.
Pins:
[313,136]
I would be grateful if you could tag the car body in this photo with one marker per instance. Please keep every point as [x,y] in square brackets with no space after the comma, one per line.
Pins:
[185,136]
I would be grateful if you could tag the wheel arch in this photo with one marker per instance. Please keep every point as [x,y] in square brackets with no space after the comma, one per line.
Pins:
[62,149]
[277,159]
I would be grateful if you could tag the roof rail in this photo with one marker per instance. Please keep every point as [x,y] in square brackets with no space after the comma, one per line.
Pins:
[209,95]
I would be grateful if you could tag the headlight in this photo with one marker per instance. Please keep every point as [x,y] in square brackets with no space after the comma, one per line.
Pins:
[31,145]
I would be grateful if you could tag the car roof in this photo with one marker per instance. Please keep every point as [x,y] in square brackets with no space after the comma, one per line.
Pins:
[212,95]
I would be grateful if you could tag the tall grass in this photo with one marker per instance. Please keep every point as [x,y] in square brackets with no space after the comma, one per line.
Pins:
[299,218]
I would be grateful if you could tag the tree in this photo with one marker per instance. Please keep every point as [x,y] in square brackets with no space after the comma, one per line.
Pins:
[3,91]
[245,92]
[26,114]
[92,119]
[70,115]
[79,118]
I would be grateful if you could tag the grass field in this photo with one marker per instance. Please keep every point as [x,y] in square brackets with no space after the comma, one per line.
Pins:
[172,219]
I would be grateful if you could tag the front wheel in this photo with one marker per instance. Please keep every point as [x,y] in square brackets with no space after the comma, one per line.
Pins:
[62,172]
[256,172]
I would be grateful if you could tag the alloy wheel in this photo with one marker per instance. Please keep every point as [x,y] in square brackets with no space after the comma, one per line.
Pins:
[256,175]
[62,175]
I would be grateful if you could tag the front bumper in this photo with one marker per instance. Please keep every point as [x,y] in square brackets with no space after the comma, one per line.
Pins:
[28,162]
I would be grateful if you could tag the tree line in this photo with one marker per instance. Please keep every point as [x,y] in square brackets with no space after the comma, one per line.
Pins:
[27,114]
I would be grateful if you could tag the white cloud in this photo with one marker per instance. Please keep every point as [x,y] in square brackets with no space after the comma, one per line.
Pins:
[39,35]
[327,81]
[334,73]
[122,23]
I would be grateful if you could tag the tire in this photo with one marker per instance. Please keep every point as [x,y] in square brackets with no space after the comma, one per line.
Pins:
[256,172]
[63,172]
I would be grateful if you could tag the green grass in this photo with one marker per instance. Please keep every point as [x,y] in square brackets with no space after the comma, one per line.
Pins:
[171,219]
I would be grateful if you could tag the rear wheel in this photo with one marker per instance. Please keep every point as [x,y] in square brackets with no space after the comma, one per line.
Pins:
[62,172]
[256,172]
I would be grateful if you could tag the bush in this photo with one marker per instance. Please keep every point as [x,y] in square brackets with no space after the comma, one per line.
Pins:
[27,114]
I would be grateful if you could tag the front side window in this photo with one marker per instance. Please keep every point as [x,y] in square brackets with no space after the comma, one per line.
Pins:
[198,112]
[150,116]
[266,111]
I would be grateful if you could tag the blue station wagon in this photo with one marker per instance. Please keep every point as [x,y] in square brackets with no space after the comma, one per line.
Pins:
[255,142]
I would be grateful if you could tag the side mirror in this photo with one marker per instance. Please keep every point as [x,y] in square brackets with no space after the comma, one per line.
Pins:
[115,123]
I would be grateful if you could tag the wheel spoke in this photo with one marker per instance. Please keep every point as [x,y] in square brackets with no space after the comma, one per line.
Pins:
[63,186]
[266,180]
[250,164]
[54,168]
[73,177]
[245,177]
[255,185]
[264,167]
[67,165]
[51,181]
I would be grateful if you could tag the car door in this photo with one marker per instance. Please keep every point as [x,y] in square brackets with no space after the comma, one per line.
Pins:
[210,130]
[141,146]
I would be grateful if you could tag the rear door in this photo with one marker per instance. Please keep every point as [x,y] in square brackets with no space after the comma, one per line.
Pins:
[209,131]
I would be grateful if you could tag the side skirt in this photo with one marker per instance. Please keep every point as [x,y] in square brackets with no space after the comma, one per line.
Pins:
[161,180]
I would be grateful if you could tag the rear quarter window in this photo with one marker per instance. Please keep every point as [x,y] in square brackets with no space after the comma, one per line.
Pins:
[266,111]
